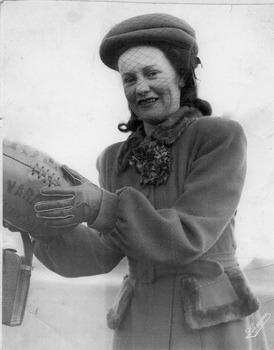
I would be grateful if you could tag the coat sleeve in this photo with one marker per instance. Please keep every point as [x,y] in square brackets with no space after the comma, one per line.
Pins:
[78,252]
[209,200]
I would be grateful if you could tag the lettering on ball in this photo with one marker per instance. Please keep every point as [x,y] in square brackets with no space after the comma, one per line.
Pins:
[20,190]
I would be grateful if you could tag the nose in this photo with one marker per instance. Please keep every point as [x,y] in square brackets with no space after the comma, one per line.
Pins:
[142,86]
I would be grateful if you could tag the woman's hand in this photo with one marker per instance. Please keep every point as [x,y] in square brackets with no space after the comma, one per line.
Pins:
[69,206]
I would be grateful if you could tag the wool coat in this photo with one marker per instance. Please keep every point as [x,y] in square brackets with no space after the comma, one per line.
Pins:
[185,289]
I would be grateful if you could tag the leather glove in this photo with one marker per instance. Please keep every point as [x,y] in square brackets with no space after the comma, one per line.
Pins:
[74,176]
[71,205]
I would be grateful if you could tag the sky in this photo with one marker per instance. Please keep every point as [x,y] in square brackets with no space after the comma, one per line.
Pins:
[59,97]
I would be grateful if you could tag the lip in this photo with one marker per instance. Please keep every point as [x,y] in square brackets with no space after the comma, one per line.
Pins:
[147,101]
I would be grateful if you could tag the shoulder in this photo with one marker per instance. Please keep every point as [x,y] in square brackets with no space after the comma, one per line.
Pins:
[214,135]
[217,129]
[218,124]
[111,150]
[109,155]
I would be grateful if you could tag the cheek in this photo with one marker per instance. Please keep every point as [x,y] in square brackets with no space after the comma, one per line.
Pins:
[166,89]
[175,92]
[129,94]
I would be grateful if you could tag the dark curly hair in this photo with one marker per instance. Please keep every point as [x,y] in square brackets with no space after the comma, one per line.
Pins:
[188,92]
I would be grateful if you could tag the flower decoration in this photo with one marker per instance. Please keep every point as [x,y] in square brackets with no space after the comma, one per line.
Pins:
[152,159]
[151,156]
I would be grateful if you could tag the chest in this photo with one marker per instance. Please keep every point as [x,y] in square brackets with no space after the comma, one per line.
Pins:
[162,196]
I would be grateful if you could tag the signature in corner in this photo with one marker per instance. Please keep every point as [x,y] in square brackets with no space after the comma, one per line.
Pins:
[253,330]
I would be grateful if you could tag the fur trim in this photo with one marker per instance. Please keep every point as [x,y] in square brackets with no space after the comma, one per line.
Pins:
[166,133]
[249,302]
[122,303]
[198,316]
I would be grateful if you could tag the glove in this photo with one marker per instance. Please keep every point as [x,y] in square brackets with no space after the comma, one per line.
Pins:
[73,176]
[69,206]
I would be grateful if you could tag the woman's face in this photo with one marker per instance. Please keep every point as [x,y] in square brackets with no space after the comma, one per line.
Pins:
[151,84]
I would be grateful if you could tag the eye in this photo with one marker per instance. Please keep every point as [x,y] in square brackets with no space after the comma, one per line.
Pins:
[128,80]
[152,73]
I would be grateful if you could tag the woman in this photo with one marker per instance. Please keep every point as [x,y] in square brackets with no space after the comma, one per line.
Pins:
[168,201]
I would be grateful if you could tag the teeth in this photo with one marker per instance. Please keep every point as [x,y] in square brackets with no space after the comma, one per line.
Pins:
[148,100]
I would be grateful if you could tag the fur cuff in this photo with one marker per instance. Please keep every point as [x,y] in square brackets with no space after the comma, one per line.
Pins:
[210,302]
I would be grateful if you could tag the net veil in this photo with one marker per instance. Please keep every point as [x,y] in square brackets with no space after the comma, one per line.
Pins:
[156,55]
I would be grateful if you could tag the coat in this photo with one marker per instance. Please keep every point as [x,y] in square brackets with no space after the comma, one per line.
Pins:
[185,289]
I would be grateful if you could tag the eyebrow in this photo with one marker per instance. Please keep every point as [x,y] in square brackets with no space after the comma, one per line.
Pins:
[152,66]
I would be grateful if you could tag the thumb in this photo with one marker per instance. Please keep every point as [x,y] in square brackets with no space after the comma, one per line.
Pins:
[74,176]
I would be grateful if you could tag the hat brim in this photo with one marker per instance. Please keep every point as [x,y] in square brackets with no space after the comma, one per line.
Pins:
[112,47]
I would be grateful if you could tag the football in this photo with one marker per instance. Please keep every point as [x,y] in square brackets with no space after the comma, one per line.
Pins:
[25,171]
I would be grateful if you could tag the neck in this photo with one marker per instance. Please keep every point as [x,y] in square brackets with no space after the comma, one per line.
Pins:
[149,128]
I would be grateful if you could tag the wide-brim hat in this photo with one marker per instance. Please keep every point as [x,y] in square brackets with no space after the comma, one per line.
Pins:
[150,29]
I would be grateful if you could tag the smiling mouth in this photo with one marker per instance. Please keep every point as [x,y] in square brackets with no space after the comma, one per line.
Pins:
[147,101]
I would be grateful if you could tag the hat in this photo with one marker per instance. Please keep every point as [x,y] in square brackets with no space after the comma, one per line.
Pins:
[150,29]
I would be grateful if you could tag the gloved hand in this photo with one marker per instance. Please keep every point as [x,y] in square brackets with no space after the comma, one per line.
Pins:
[74,176]
[69,206]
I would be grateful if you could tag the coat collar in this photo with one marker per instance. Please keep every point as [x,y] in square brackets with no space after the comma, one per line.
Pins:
[165,133]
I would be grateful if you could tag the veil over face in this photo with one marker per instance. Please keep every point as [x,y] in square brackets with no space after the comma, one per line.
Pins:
[177,41]
[151,84]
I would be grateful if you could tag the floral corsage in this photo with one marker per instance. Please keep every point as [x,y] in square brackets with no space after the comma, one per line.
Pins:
[152,160]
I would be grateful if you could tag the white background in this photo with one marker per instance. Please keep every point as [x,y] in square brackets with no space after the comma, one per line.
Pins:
[59,97]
